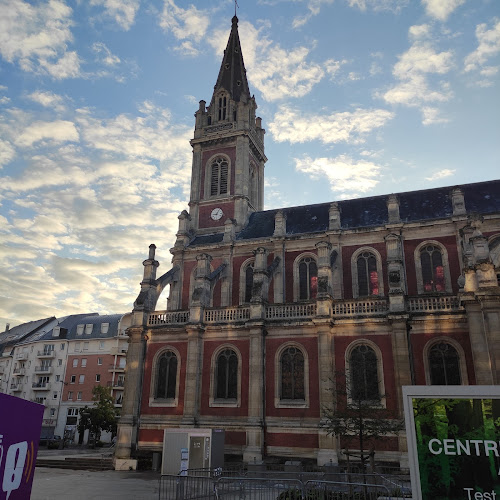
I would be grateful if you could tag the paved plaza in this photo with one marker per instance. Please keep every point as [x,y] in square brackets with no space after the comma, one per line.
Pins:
[53,484]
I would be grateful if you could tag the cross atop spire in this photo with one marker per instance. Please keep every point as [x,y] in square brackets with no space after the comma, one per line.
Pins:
[232,73]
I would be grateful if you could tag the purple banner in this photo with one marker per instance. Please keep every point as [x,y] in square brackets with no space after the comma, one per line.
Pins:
[20,426]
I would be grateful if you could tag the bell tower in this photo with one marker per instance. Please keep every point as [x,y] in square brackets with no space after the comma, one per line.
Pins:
[228,149]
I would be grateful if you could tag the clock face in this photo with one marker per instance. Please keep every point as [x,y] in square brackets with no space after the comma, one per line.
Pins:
[216,213]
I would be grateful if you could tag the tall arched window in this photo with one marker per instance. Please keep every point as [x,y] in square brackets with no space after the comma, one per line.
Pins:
[226,375]
[363,374]
[433,277]
[219,176]
[366,265]
[248,283]
[166,376]
[222,107]
[308,279]
[292,374]
[444,364]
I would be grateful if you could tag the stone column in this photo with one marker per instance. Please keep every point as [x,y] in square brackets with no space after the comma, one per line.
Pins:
[395,269]
[193,375]
[260,284]
[128,423]
[324,297]
[490,304]
[256,394]
[402,372]
[328,444]
[201,293]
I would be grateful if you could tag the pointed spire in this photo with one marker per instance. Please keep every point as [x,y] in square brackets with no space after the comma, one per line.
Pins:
[232,73]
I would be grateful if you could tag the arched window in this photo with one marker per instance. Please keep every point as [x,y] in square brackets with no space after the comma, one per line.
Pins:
[166,376]
[444,364]
[368,283]
[226,375]
[292,374]
[308,278]
[219,176]
[431,261]
[363,374]
[248,283]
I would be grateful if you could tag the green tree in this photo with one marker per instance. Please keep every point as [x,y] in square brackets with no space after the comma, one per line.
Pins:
[102,416]
[353,418]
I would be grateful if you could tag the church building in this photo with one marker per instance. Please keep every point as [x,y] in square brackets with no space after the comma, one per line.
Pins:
[266,308]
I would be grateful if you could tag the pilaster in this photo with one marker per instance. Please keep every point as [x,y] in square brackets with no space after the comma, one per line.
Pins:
[193,375]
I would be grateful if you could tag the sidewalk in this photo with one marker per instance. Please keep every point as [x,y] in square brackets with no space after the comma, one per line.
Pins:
[50,484]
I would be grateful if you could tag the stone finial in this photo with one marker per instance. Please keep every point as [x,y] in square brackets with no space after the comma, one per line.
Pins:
[150,266]
[260,263]
[393,209]
[334,217]
[229,230]
[458,202]
[152,249]
[279,224]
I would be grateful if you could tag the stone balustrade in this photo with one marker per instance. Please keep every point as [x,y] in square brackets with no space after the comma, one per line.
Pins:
[227,314]
[433,304]
[360,307]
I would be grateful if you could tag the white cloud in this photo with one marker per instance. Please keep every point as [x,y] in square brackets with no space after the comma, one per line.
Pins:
[314,7]
[291,125]
[432,116]
[346,176]
[414,70]
[105,55]
[7,152]
[378,5]
[189,25]
[56,131]
[48,100]
[441,9]
[276,72]
[37,36]
[121,11]
[440,175]
[488,47]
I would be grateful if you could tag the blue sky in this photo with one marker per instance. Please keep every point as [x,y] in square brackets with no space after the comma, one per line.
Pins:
[358,98]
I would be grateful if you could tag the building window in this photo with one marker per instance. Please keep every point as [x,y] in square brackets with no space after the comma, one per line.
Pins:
[226,375]
[77,346]
[101,345]
[444,365]
[72,379]
[70,395]
[366,265]
[219,176]
[104,327]
[88,328]
[81,379]
[222,108]
[52,412]
[79,329]
[98,377]
[79,396]
[366,269]
[58,378]
[166,376]
[85,346]
[99,361]
[59,362]
[431,262]
[62,347]
[292,374]
[75,362]
[363,375]
[84,362]
[306,286]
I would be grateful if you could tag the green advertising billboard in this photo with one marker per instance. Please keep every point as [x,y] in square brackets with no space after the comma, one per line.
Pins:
[453,441]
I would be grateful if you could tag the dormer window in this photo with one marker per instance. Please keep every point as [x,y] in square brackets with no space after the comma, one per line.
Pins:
[222,108]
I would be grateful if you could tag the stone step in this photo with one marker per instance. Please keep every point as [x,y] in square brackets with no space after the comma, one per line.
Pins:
[77,463]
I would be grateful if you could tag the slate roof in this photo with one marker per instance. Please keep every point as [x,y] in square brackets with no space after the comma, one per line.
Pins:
[414,206]
[18,333]
[96,320]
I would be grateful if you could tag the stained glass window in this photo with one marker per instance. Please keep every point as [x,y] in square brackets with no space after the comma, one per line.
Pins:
[367,275]
[444,364]
[227,375]
[308,279]
[166,378]
[431,261]
[292,374]
[363,368]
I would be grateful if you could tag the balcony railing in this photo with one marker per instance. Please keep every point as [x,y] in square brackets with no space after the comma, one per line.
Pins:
[40,386]
[117,384]
[46,354]
[16,387]
[22,356]
[362,307]
[43,369]
[433,304]
[19,371]
[116,368]
[227,315]
[291,311]
[168,318]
